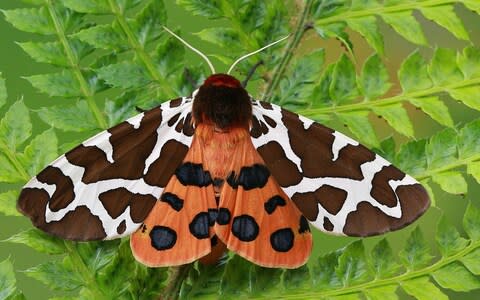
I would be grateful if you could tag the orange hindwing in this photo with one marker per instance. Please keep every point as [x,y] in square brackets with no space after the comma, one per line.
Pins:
[223,181]
[179,227]
[256,219]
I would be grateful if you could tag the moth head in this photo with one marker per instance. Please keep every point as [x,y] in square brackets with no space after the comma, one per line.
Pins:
[223,102]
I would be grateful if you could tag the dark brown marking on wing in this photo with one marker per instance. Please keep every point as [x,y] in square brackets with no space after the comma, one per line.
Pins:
[331,198]
[176,102]
[327,224]
[255,130]
[258,128]
[266,105]
[188,129]
[381,190]
[131,147]
[121,227]
[171,156]
[306,204]
[179,126]
[270,121]
[284,171]
[117,200]
[78,224]
[32,202]
[63,194]
[173,120]
[314,147]
[368,220]
[414,201]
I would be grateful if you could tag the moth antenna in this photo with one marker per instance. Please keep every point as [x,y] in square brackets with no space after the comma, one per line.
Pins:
[255,52]
[192,48]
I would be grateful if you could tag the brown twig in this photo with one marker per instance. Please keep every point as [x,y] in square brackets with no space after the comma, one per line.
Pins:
[251,72]
[175,279]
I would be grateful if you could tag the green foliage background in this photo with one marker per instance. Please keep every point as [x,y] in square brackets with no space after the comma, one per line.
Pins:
[402,77]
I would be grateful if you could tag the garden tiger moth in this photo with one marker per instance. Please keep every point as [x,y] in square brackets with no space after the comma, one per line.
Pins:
[220,167]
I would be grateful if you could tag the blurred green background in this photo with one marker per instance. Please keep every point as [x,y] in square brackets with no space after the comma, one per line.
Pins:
[14,64]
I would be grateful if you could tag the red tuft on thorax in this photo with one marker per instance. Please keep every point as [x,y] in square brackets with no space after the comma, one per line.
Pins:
[222,80]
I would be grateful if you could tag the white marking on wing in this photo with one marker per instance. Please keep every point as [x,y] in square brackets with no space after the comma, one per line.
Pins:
[102,142]
[306,122]
[165,132]
[87,195]
[35,184]
[278,134]
[340,142]
[136,120]
[357,191]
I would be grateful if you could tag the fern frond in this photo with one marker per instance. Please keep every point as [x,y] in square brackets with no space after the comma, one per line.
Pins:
[353,273]
[117,46]
[250,25]
[340,89]
[332,18]
[20,161]
[149,72]
[53,19]
[443,158]
[8,289]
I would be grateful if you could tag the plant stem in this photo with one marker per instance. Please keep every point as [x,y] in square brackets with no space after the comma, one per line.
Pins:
[287,56]
[75,67]
[251,72]
[13,159]
[407,6]
[232,15]
[85,273]
[396,280]
[366,105]
[454,165]
[405,276]
[140,50]
[175,280]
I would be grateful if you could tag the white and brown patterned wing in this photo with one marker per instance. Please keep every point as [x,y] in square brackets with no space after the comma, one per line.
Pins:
[105,187]
[340,186]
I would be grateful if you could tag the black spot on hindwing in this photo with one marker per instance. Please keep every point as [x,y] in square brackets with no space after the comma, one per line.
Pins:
[199,225]
[212,216]
[223,217]
[218,182]
[172,200]
[163,238]
[245,228]
[193,174]
[272,204]
[282,240]
[249,178]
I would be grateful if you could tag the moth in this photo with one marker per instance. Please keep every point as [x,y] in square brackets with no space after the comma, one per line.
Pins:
[220,169]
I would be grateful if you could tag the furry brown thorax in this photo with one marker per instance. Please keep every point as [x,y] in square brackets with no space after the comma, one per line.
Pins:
[222,102]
